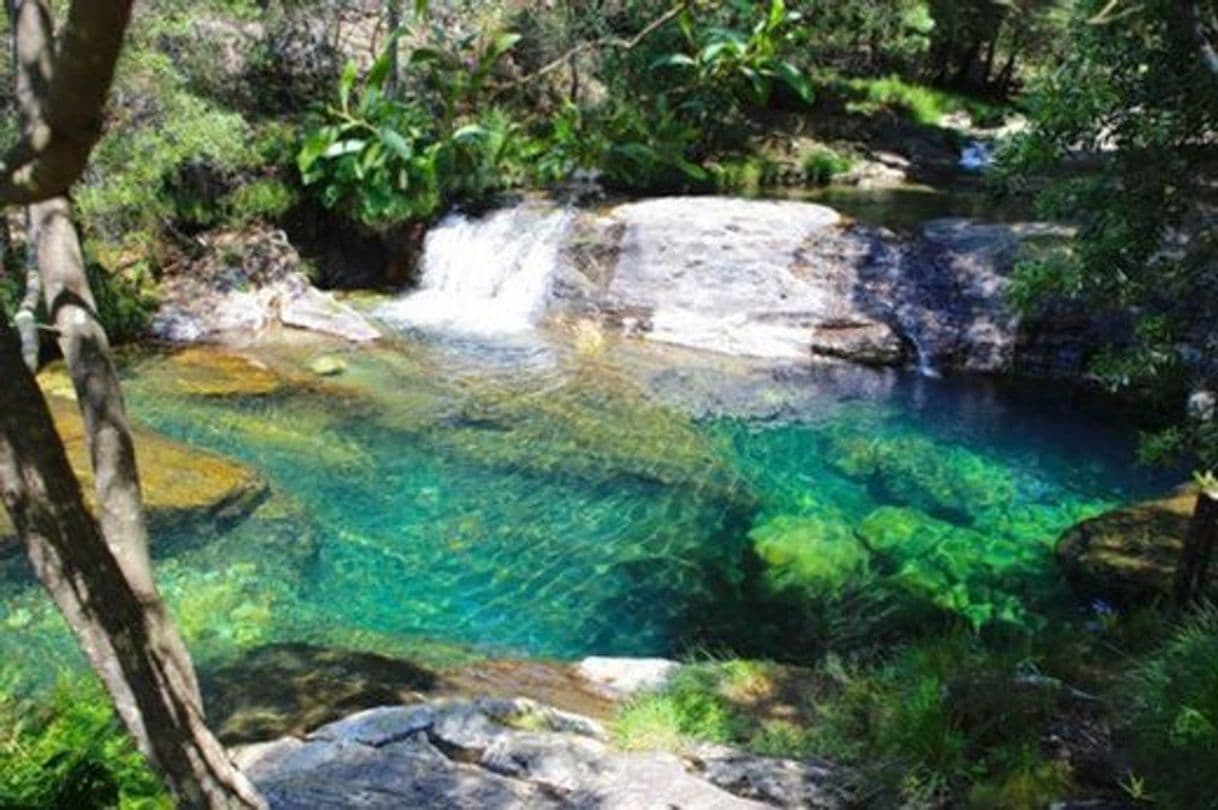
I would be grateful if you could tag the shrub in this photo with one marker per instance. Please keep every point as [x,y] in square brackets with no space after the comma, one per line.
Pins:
[69,752]
[822,164]
[1172,715]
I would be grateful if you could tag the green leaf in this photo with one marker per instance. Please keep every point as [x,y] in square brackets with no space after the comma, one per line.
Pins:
[778,13]
[347,147]
[674,60]
[379,71]
[795,78]
[691,169]
[346,83]
[314,146]
[469,132]
[397,144]
[495,51]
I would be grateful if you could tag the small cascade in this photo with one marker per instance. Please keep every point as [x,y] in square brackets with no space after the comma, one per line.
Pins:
[485,276]
[976,157]
[922,358]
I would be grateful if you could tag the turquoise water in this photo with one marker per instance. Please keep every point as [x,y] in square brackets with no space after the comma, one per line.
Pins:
[440,500]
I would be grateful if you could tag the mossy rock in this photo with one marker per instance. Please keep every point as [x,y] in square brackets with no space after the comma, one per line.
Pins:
[181,485]
[946,482]
[1128,556]
[214,372]
[898,532]
[809,553]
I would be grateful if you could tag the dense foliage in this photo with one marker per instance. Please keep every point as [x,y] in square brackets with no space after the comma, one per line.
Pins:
[1132,109]
[71,752]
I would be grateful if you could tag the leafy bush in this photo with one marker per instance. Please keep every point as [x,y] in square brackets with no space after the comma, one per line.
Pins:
[391,159]
[822,164]
[125,303]
[1172,715]
[70,752]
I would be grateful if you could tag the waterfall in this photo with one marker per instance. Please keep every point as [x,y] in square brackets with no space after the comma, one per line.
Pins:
[924,365]
[976,157]
[485,276]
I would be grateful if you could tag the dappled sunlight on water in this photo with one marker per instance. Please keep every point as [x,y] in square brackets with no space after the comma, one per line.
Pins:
[441,500]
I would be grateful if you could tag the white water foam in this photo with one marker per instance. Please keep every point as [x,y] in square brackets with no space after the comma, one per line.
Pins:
[485,276]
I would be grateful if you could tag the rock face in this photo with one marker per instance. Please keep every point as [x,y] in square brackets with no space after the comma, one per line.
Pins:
[792,281]
[516,753]
[248,283]
[1128,556]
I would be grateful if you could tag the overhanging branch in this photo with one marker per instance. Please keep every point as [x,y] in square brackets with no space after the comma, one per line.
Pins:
[54,147]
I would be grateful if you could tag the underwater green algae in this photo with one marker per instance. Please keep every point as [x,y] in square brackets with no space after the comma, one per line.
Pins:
[446,502]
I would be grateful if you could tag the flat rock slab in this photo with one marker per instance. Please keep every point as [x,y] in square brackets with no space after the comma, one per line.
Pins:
[517,753]
[621,677]
[792,281]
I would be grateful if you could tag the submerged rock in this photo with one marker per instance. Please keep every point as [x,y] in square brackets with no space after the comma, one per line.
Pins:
[215,372]
[517,753]
[1128,556]
[181,485]
[327,365]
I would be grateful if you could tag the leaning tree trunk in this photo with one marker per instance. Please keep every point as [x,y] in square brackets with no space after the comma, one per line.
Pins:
[73,312]
[1192,571]
[86,350]
[130,647]
[100,576]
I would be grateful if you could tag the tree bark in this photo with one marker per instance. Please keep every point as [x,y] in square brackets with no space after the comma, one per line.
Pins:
[393,11]
[1201,37]
[1192,571]
[73,312]
[130,647]
[25,319]
[100,576]
[54,147]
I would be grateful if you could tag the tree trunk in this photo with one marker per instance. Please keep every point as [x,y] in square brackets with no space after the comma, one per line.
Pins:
[393,10]
[25,319]
[1192,572]
[100,576]
[54,146]
[129,646]
[86,350]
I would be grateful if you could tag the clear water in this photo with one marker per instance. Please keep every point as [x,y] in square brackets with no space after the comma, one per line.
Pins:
[440,498]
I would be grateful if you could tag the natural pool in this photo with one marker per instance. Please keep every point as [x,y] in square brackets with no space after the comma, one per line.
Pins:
[565,496]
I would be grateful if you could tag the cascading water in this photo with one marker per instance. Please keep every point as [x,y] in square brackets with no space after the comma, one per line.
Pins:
[485,276]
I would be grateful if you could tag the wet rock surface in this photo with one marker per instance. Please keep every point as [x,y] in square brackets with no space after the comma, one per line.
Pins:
[517,753]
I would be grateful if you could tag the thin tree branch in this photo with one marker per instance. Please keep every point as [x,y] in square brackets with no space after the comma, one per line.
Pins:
[596,44]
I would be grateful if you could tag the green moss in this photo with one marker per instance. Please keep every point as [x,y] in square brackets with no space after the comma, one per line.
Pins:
[809,553]
[943,480]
